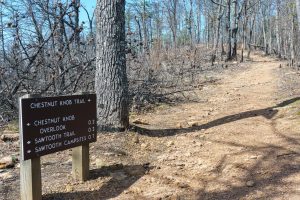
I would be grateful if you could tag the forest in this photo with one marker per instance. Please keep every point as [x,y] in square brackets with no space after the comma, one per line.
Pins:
[46,49]
[194,99]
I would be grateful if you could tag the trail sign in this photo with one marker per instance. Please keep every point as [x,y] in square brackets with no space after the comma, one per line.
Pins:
[52,124]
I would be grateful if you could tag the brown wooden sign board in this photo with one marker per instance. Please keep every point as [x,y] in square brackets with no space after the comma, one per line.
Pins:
[52,124]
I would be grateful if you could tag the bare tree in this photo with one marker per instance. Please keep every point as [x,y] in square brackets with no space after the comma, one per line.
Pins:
[172,12]
[111,80]
[298,9]
[229,31]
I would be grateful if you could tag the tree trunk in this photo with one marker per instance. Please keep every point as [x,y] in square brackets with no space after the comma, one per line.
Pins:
[250,35]
[111,82]
[244,37]
[217,36]
[59,43]
[76,7]
[298,11]
[235,30]
[145,27]
[298,14]
[265,36]
[198,3]
[191,17]
[270,33]
[140,34]
[172,7]
[228,27]
[2,33]
[278,38]
[292,39]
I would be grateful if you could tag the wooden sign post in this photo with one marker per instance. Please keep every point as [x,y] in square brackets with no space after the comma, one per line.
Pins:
[52,124]
[81,162]
[30,170]
[30,177]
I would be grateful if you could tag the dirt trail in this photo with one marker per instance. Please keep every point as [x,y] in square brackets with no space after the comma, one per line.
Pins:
[239,141]
[237,145]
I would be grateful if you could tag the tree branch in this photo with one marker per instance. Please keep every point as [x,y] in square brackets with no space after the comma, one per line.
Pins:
[217,3]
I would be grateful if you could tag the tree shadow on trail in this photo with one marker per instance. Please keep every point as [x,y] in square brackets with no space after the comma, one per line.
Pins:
[121,178]
[269,173]
[268,113]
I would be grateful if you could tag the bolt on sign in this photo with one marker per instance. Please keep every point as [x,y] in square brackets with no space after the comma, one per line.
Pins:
[52,124]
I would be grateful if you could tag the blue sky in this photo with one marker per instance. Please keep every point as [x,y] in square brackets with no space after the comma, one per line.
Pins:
[90,6]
